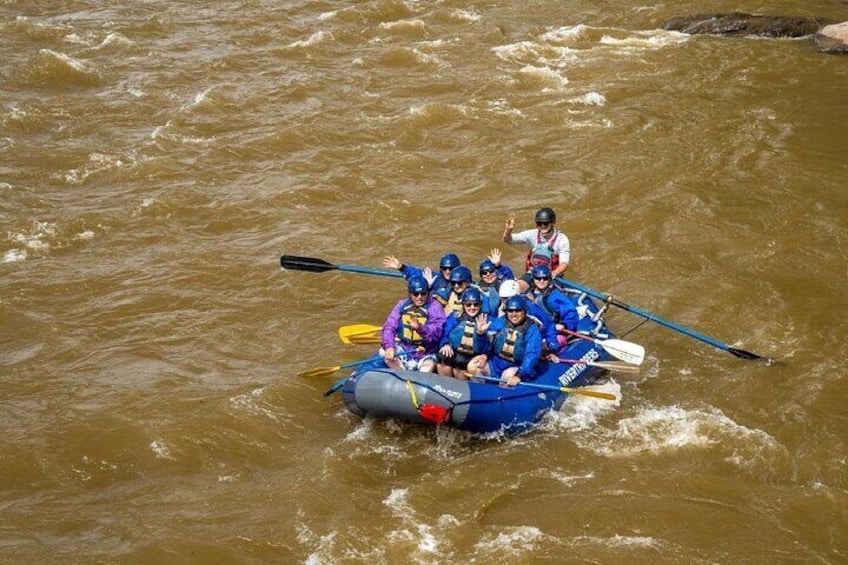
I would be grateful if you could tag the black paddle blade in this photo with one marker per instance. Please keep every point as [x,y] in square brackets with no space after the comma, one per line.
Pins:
[306,264]
[742,354]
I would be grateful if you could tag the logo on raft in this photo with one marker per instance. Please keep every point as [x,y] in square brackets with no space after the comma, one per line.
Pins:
[578,368]
[447,392]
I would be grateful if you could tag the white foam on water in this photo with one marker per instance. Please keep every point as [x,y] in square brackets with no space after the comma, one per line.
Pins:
[34,239]
[97,163]
[617,541]
[75,64]
[314,39]
[14,255]
[545,75]
[253,403]
[414,531]
[466,15]
[580,413]
[672,428]
[403,25]
[564,34]
[160,450]
[114,38]
[590,99]
[646,40]
[512,542]
[323,16]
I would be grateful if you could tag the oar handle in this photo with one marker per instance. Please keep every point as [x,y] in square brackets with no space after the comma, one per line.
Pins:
[341,382]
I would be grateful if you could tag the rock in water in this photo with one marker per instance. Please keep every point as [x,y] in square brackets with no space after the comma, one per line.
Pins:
[833,38]
[741,24]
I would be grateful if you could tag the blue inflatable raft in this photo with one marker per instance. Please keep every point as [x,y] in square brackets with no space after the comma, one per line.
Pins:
[373,390]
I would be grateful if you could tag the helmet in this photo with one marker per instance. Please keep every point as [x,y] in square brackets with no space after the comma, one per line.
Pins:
[486,265]
[472,295]
[541,272]
[509,288]
[545,215]
[460,274]
[515,303]
[449,261]
[417,284]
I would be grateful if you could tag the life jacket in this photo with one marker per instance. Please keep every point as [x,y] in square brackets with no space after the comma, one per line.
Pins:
[542,253]
[541,299]
[509,342]
[407,334]
[463,337]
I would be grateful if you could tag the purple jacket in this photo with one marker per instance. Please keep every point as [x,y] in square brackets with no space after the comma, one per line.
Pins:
[431,331]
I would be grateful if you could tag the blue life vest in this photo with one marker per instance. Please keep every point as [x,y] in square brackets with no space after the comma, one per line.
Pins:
[464,339]
[509,342]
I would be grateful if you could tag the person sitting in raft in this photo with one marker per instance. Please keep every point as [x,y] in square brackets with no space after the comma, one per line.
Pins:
[553,301]
[451,299]
[438,283]
[492,274]
[548,246]
[413,329]
[515,346]
[464,336]
[535,312]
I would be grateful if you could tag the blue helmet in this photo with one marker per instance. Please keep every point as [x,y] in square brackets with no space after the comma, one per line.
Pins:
[516,302]
[460,274]
[541,272]
[472,295]
[487,265]
[417,284]
[449,261]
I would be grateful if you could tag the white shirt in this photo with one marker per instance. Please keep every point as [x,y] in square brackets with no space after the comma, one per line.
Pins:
[561,246]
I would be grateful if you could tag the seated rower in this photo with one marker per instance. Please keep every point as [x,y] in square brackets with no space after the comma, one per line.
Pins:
[554,302]
[464,336]
[535,312]
[413,329]
[451,299]
[438,283]
[515,346]
[492,274]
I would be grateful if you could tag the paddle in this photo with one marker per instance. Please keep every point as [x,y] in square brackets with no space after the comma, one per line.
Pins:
[592,393]
[364,340]
[319,266]
[357,330]
[608,365]
[327,371]
[624,350]
[741,353]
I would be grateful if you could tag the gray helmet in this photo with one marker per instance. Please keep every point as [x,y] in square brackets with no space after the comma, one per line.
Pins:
[545,215]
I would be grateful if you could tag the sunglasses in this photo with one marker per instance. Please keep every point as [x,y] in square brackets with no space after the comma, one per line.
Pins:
[541,278]
[457,283]
[471,304]
[543,224]
[487,272]
[419,293]
[513,310]
[446,268]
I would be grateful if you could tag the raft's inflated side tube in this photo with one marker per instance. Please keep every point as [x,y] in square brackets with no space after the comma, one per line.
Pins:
[384,393]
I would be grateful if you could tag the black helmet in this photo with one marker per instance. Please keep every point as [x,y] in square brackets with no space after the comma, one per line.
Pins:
[545,215]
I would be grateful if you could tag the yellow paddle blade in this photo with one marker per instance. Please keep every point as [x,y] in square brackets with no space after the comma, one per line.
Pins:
[320,371]
[364,339]
[346,332]
[593,393]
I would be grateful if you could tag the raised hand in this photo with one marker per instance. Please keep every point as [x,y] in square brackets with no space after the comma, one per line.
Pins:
[429,276]
[510,223]
[391,262]
[482,323]
[495,256]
